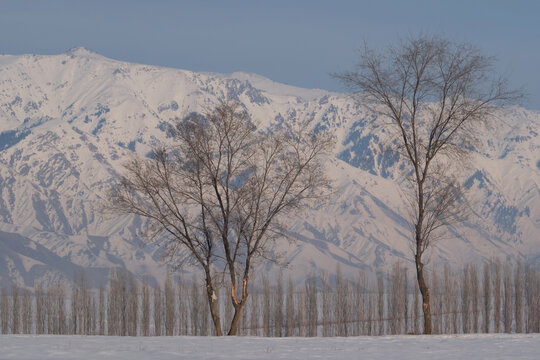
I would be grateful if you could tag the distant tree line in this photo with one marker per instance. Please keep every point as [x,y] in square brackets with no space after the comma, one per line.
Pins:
[494,298]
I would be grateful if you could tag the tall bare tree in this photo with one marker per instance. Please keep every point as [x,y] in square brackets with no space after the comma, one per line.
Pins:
[475,296]
[311,305]
[450,300]
[435,302]
[170,306]
[40,312]
[15,310]
[101,319]
[219,192]
[5,311]
[466,300]
[396,299]
[254,314]
[487,298]
[26,309]
[132,306]
[341,304]
[183,322]
[532,298]
[158,306]
[278,306]
[432,94]
[518,297]
[497,307]
[380,301]
[289,309]
[145,308]
[508,298]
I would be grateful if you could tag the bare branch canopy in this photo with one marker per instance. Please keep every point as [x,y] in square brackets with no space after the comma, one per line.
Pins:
[219,192]
[432,95]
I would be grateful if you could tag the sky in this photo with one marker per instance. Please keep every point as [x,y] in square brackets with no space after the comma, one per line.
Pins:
[294,42]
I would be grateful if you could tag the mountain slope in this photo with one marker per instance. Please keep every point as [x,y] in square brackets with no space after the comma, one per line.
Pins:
[68,122]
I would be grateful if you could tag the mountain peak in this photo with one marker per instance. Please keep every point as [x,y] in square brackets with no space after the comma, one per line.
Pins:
[81,51]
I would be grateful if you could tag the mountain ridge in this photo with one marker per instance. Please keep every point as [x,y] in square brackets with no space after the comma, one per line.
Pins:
[69,121]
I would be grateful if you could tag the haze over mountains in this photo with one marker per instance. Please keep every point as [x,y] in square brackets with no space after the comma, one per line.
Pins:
[68,122]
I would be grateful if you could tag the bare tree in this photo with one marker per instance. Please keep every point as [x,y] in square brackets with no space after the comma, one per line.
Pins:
[360,303]
[532,298]
[40,319]
[15,310]
[436,301]
[170,307]
[218,194]
[435,94]
[132,306]
[101,320]
[380,301]
[4,308]
[518,298]
[75,294]
[534,307]
[60,306]
[449,299]
[88,318]
[455,304]
[196,307]
[145,308]
[508,297]
[405,298]
[158,311]
[254,314]
[289,309]
[266,318]
[301,313]
[205,319]
[326,306]
[92,312]
[116,303]
[466,300]
[369,309]
[183,308]
[311,305]
[80,304]
[497,296]
[475,296]
[487,298]
[395,310]
[26,312]
[278,306]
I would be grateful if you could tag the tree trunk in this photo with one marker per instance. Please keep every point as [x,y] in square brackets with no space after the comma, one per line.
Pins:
[210,293]
[424,290]
[238,309]
[238,305]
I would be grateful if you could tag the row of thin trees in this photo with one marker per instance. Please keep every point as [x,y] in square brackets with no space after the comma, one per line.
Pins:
[492,298]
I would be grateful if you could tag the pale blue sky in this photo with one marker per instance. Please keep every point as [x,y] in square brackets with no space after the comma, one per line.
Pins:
[295,42]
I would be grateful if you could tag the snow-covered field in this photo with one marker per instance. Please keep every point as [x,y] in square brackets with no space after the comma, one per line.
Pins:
[470,347]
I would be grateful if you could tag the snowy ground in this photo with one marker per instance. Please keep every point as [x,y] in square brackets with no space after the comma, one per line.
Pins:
[470,347]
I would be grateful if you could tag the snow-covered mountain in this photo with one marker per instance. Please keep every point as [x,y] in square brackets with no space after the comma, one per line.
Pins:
[68,122]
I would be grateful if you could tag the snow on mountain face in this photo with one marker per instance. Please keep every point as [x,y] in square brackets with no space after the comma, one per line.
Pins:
[68,122]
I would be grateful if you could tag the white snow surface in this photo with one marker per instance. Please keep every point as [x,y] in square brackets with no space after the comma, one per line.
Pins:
[68,122]
[471,347]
